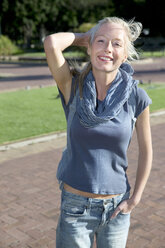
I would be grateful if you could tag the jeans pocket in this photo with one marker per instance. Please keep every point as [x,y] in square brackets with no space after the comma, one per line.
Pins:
[124,198]
[73,208]
[119,199]
[125,213]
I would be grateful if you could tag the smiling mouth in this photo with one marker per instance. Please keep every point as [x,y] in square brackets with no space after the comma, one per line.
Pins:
[105,58]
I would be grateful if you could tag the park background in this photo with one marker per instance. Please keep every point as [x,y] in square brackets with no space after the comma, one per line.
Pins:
[23,27]
[33,126]
[27,22]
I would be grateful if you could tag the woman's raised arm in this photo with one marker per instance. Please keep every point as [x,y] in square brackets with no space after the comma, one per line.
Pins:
[54,45]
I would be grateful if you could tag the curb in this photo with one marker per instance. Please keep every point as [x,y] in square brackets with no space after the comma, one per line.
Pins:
[157,113]
[32,141]
[50,137]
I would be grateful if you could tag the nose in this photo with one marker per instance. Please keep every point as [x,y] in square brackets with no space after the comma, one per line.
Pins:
[108,47]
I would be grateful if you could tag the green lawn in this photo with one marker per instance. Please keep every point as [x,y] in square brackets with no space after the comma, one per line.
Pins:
[29,113]
[79,54]
[157,94]
[75,54]
[150,54]
[32,54]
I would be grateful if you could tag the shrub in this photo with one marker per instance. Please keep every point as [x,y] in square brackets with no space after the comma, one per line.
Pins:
[7,47]
[85,27]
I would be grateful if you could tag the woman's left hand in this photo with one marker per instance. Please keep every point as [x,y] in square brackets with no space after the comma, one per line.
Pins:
[124,207]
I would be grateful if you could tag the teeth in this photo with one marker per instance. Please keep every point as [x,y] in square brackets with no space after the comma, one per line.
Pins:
[105,58]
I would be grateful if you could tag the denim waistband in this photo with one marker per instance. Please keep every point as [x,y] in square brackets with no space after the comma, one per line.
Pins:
[115,200]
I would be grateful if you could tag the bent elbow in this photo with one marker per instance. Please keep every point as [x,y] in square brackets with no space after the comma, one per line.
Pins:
[49,43]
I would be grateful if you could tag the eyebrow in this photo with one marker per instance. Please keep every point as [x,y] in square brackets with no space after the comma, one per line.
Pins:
[106,37]
[117,39]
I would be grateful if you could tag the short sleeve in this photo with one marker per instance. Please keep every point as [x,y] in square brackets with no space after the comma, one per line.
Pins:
[142,101]
[66,106]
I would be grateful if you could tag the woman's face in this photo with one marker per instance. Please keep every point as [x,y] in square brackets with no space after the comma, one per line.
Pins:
[108,50]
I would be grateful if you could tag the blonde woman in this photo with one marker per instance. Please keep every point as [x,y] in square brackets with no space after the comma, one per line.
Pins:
[102,103]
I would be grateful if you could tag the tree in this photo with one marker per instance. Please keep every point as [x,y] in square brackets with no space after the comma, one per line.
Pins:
[155,17]
[28,18]
[28,21]
[31,18]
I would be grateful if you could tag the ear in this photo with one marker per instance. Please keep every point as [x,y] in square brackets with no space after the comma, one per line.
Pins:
[124,59]
[89,50]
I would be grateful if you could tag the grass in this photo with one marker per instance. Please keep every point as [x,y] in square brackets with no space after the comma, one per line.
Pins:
[80,54]
[74,54]
[150,54]
[29,113]
[157,94]
[33,54]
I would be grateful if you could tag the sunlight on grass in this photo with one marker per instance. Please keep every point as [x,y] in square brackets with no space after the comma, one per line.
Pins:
[157,94]
[29,113]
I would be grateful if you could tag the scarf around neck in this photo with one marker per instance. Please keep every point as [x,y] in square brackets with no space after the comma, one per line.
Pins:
[117,94]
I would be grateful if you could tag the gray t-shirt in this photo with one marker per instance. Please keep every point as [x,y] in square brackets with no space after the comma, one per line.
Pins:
[99,154]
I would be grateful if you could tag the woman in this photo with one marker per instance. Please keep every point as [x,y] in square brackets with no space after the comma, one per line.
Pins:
[101,103]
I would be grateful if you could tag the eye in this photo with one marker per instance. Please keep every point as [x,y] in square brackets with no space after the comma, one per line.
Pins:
[100,41]
[117,44]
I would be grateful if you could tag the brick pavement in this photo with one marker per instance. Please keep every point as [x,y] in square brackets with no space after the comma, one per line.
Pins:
[15,76]
[29,194]
[152,70]
[30,198]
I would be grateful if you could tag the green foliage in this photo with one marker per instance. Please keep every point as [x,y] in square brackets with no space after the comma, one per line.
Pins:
[33,19]
[85,27]
[7,47]
[29,21]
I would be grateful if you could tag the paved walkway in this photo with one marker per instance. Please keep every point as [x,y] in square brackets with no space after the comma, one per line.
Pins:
[30,198]
[15,76]
[29,194]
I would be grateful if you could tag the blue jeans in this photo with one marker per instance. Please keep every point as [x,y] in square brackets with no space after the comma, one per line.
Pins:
[84,218]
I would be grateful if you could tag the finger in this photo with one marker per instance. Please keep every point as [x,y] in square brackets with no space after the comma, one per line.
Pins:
[126,212]
[117,211]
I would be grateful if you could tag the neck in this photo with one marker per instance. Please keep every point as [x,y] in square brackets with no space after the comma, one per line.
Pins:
[103,81]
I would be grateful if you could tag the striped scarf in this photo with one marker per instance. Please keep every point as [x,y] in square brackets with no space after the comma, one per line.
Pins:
[117,94]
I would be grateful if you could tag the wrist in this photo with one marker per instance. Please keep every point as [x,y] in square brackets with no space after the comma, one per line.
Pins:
[135,200]
[81,39]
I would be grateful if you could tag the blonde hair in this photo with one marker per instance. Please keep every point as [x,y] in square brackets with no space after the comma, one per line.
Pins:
[132,30]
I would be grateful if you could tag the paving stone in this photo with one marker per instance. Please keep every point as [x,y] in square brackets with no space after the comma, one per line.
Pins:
[30,195]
